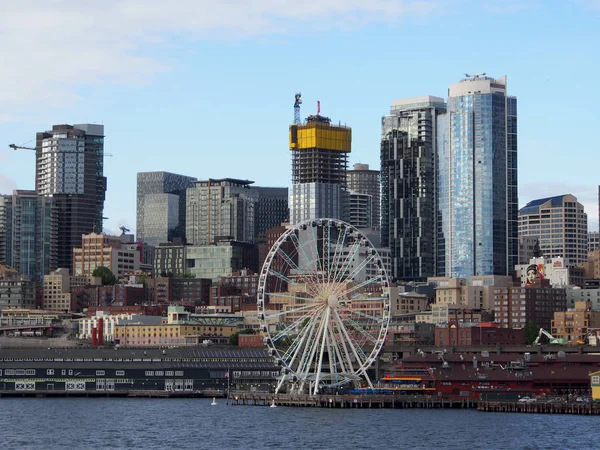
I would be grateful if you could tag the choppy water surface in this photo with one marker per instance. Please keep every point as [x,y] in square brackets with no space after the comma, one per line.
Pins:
[84,423]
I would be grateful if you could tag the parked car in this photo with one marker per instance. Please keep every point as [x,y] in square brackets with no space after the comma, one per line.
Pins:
[526,400]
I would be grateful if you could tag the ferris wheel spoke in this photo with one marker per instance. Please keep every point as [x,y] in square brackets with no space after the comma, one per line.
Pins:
[309,277]
[339,250]
[362,314]
[309,261]
[337,351]
[361,285]
[290,327]
[358,327]
[323,339]
[293,297]
[347,260]
[283,277]
[312,360]
[350,343]
[309,347]
[318,257]
[356,271]
[290,311]
[298,343]
[358,299]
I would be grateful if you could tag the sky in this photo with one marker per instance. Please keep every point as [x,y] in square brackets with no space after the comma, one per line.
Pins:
[206,88]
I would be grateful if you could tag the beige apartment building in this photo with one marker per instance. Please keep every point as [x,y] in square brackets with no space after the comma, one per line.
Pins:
[57,289]
[104,250]
[575,324]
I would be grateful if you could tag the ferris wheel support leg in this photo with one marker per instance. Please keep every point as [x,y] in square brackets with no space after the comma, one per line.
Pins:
[323,339]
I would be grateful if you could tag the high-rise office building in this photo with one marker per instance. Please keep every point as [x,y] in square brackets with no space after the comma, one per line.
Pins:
[408,186]
[364,181]
[270,210]
[319,164]
[360,210]
[220,209]
[560,224]
[161,206]
[28,226]
[70,170]
[477,179]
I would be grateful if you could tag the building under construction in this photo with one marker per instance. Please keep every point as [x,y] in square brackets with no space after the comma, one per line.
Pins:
[319,164]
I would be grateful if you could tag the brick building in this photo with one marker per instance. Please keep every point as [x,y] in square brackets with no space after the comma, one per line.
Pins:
[516,306]
[467,335]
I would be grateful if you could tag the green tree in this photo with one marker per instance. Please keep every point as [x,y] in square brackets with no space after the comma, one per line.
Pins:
[235,337]
[531,333]
[107,277]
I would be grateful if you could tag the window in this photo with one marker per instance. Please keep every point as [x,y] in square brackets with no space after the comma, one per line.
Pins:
[120,373]
[149,373]
[596,379]
[100,373]
[179,373]
[169,373]
[30,372]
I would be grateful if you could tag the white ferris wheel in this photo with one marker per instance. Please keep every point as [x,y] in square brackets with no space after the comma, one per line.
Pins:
[324,305]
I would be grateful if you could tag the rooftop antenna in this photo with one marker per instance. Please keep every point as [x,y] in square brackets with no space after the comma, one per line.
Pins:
[475,75]
[318,107]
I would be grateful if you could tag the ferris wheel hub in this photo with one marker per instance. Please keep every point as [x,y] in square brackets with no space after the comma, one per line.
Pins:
[332,301]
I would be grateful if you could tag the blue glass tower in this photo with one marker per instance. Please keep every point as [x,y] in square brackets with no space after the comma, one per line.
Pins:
[477,180]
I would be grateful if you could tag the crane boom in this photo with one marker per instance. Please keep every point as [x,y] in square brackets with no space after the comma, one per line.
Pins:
[20,147]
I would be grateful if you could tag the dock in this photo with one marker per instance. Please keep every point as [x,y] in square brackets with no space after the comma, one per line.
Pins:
[349,401]
[586,409]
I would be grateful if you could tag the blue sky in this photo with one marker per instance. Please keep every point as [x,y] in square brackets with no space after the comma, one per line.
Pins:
[205,88]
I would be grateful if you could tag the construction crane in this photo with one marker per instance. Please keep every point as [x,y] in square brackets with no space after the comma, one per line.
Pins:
[124,229]
[297,103]
[21,147]
[553,340]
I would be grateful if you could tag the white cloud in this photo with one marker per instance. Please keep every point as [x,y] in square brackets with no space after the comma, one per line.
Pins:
[50,47]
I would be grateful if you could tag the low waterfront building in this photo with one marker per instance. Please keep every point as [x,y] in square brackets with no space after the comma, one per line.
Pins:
[116,372]
[595,385]
[574,325]
[179,329]
[470,334]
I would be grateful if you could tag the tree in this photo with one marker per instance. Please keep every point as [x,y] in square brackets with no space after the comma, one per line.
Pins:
[107,277]
[531,333]
[234,338]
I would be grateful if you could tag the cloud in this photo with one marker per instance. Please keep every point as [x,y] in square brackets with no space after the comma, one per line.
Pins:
[51,47]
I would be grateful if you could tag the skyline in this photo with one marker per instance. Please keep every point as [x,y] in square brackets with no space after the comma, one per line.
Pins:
[169,84]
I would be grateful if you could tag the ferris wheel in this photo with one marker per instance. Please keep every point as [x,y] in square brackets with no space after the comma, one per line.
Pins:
[324,306]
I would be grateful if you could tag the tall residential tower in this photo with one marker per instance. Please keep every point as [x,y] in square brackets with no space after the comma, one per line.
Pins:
[408,186]
[70,169]
[477,179]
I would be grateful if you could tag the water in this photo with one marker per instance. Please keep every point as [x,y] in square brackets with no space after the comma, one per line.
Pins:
[85,423]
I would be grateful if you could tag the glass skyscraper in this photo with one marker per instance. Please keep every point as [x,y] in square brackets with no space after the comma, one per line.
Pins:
[28,233]
[477,179]
[408,186]
[70,171]
[163,196]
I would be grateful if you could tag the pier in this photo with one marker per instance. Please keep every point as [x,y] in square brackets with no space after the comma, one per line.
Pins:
[587,409]
[349,401]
